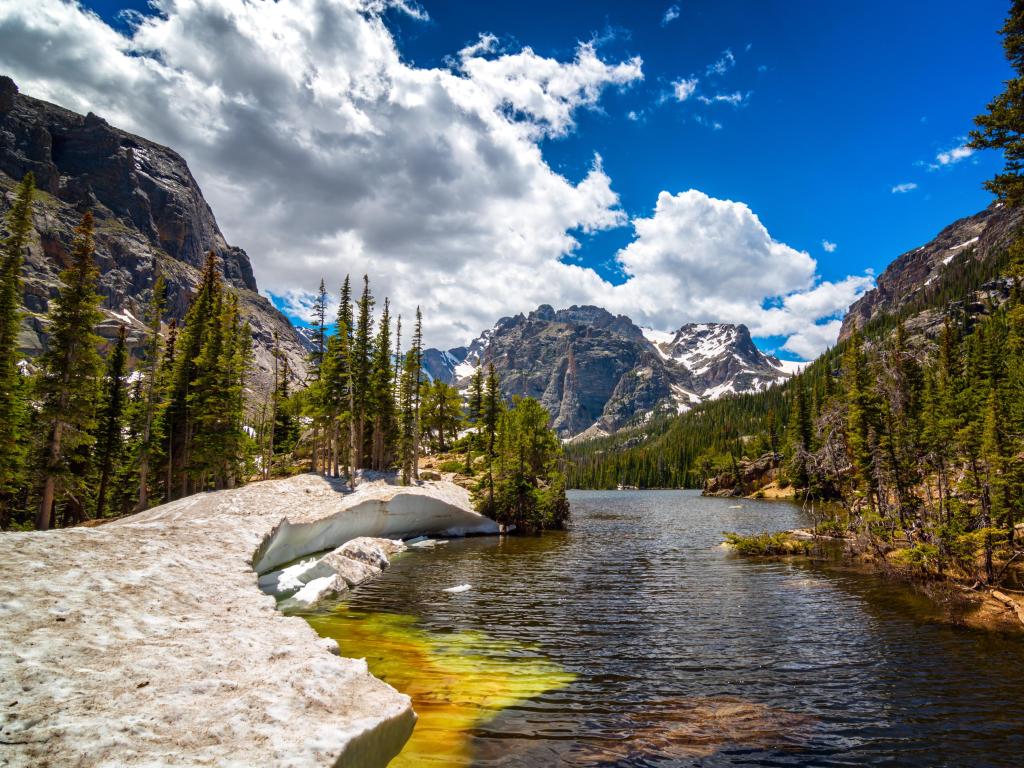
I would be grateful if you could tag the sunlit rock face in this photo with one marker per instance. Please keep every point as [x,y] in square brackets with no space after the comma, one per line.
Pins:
[150,215]
[149,636]
[910,282]
[596,372]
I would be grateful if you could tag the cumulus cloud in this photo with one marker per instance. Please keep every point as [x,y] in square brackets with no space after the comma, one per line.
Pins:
[809,342]
[671,14]
[684,88]
[902,189]
[829,246]
[324,153]
[952,156]
[700,258]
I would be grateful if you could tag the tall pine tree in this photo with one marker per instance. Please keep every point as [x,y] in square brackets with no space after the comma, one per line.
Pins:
[70,368]
[18,225]
[1002,126]
[109,436]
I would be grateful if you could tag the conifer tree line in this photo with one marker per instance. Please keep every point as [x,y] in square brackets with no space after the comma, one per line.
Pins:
[364,399]
[370,406]
[81,435]
[521,480]
[87,432]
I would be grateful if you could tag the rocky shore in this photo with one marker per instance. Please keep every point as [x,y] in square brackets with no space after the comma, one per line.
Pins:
[148,641]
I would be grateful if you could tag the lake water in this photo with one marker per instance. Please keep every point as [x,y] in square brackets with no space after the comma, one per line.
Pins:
[634,639]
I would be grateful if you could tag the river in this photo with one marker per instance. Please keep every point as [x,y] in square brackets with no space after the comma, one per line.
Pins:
[634,639]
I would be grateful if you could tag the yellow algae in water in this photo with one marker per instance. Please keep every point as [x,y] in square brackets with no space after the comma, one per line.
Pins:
[457,681]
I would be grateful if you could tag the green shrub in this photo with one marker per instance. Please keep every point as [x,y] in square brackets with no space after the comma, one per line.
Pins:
[767,544]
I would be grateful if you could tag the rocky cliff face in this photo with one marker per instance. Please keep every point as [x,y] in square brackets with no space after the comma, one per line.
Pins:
[906,282]
[595,372]
[150,218]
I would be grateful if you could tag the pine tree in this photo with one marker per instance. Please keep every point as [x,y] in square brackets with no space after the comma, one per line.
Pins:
[346,320]
[285,428]
[336,384]
[476,396]
[319,329]
[801,432]
[524,487]
[149,400]
[1002,127]
[381,398]
[18,224]
[490,417]
[166,380]
[417,382]
[70,369]
[237,447]
[409,406]
[178,420]
[109,438]
[205,400]
[362,349]
[441,414]
[317,361]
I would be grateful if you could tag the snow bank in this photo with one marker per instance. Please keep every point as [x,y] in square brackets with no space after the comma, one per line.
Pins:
[378,509]
[147,642]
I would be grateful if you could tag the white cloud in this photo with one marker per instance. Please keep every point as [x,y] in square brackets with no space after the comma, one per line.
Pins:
[813,340]
[829,247]
[671,14]
[735,98]
[544,92]
[952,156]
[702,259]
[684,88]
[723,64]
[902,189]
[323,153]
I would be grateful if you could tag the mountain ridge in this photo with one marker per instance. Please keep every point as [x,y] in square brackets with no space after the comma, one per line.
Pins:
[596,372]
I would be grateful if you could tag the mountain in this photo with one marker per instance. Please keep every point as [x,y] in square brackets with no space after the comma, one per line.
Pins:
[956,271]
[961,275]
[596,372]
[150,218]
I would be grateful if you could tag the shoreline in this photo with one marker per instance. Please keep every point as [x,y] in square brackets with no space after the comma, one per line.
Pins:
[148,639]
[986,609]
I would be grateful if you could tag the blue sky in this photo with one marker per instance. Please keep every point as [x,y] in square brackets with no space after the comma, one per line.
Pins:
[838,104]
[847,100]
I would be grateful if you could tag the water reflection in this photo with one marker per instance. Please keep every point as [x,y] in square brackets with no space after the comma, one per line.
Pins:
[641,642]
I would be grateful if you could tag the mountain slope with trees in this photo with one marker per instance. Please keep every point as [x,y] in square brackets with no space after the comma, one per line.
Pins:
[149,220]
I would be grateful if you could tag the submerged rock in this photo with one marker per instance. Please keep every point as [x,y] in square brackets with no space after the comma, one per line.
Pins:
[697,727]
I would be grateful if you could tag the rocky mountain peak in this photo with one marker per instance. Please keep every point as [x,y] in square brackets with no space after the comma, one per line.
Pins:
[595,371]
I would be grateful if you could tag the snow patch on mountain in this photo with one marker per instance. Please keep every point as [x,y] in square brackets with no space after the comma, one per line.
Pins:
[792,367]
[595,372]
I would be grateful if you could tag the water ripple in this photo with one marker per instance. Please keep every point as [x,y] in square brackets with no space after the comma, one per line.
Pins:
[681,654]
